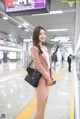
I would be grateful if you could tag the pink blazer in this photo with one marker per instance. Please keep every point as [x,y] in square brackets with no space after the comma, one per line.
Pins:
[40,63]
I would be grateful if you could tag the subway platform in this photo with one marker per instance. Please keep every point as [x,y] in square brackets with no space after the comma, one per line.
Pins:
[18,100]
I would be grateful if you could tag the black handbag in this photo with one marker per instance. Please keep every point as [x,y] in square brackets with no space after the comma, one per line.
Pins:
[33,76]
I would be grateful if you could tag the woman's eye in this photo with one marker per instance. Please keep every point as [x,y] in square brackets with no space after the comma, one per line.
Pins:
[42,34]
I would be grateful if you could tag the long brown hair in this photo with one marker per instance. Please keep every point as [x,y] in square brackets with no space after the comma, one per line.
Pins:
[35,37]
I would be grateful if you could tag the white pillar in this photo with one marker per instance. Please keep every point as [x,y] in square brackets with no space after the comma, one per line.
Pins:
[26,53]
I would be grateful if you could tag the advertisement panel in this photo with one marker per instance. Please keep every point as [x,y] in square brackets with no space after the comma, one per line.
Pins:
[24,5]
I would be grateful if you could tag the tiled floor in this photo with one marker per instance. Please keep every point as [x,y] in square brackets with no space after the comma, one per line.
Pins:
[15,93]
[59,101]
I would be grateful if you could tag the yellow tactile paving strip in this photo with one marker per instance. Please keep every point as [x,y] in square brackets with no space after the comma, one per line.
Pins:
[58,75]
[72,98]
[30,109]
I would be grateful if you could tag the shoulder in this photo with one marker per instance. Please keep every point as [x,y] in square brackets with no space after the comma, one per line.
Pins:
[34,48]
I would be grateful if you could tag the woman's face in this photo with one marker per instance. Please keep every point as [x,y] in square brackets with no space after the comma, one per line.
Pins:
[42,36]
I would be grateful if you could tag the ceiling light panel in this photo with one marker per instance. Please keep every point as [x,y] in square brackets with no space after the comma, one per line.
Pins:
[27,30]
[5,18]
[61,39]
[25,24]
[19,26]
[51,12]
[55,30]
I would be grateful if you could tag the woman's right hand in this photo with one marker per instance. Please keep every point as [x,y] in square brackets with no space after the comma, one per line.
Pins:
[49,82]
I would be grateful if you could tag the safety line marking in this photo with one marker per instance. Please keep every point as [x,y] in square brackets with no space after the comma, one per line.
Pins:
[59,74]
[72,98]
[30,109]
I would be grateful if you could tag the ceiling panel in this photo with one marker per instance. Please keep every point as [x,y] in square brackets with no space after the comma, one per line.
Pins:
[65,20]
[58,21]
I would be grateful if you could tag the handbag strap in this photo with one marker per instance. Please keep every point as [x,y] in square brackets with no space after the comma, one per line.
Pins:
[30,63]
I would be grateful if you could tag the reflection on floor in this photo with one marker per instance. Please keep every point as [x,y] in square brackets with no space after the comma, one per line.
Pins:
[15,93]
[13,89]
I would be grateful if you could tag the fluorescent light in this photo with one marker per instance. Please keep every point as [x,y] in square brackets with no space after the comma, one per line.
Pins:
[25,24]
[26,30]
[19,26]
[55,30]
[55,12]
[5,18]
[61,39]
[51,12]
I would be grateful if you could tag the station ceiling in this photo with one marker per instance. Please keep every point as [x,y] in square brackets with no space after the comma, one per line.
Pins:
[10,30]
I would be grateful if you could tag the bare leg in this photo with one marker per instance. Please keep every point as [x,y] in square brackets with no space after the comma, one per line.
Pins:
[44,107]
[41,104]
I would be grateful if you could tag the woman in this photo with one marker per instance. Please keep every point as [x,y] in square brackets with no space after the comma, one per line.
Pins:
[41,61]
